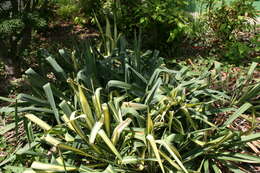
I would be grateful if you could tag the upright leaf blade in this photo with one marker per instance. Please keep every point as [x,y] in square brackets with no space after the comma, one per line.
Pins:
[86,108]
[118,130]
[48,92]
[57,67]
[150,138]
[106,118]
[109,143]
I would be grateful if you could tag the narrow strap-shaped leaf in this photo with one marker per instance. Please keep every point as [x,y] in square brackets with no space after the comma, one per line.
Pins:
[140,76]
[135,159]
[151,140]
[116,115]
[57,67]
[108,35]
[109,143]
[249,94]
[237,157]
[206,166]
[10,100]
[181,73]
[78,151]
[152,92]
[149,124]
[95,129]
[251,70]
[77,127]
[177,124]
[58,93]
[118,130]
[48,92]
[130,112]
[32,100]
[173,163]
[240,111]
[251,137]
[215,142]
[119,84]
[65,108]
[136,106]
[138,133]
[99,27]
[201,165]
[53,141]
[189,118]
[67,121]
[106,118]
[216,168]
[38,121]
[51,167]
[193,153]
[35,79]
[86,108]
[168,148]
[65,55]
[156,74]
[8,110]
[97,103]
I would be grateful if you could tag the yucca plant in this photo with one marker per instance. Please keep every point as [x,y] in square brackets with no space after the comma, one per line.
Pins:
[144,120]
[166,127]
[67,70]
[116,56]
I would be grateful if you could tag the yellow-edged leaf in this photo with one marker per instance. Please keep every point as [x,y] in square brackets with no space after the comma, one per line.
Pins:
[38,121]
[150,138]
[51,167]
[86,108]
[118,130]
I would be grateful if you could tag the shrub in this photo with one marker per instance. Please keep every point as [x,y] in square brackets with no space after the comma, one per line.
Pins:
[162,22]
[227,20]
[68,11]
[227,27]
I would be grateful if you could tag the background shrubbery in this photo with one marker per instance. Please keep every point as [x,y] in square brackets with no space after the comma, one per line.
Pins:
[230,25]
